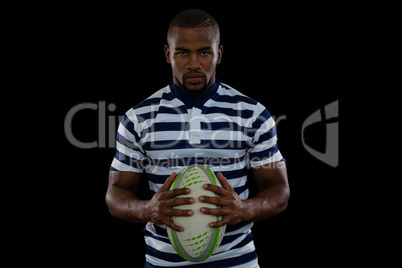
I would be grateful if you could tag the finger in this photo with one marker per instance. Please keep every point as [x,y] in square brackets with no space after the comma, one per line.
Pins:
[225,183]
[172,225]
[179,201]
[216,189]
[166,186]
[176,192]
[215,211]
[213,200]
[218,223]
[180,212]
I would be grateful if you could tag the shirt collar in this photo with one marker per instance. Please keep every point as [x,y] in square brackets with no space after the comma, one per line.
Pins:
[188,100]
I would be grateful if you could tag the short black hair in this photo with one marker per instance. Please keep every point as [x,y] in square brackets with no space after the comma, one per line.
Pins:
[194,18]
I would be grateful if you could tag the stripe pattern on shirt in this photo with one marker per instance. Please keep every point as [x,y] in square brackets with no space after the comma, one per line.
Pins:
[222,129]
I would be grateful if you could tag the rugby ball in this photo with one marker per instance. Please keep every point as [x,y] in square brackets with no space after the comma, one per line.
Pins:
[198,241]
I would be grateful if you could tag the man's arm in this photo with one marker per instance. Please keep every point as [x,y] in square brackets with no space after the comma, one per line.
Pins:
[274,192]
[271,199]
[121,197]
[124,204]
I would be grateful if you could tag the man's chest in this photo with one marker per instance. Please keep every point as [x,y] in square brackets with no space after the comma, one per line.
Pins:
[217,128]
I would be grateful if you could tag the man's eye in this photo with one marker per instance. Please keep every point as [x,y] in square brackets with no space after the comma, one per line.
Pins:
[204,53]
[182,53]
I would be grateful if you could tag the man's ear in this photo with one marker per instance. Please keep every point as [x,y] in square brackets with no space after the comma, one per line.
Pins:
[220,52]
[167,53]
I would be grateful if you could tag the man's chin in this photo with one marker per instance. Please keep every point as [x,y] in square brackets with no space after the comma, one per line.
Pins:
[195,87]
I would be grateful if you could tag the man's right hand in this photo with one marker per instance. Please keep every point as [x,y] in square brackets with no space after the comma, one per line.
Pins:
[160,207]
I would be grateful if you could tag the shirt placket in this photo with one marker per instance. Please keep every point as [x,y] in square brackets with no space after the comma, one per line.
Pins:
[195,118]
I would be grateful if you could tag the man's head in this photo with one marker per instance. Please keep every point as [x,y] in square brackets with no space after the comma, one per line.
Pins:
[193,50]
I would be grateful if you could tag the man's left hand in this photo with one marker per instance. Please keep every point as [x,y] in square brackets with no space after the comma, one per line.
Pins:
[232,208]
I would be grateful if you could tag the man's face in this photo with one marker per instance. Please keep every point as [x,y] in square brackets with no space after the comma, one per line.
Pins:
[193,54]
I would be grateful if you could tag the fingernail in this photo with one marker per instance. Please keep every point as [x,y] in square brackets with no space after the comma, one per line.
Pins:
[181,229]
[211,225]
[202,210]
[192,200]
[190,213]
[202,198]
[205,186]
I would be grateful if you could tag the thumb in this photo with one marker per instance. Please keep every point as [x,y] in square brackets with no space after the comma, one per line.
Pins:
[166,186]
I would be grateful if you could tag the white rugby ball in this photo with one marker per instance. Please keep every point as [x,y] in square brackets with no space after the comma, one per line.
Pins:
[198,241]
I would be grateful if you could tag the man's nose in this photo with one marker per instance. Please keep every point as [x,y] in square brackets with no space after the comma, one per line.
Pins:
[193,64]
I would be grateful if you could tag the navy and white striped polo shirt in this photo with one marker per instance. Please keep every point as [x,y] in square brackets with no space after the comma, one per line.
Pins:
[222,129]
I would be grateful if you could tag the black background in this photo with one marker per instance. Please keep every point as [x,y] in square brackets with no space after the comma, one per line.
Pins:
[289,58]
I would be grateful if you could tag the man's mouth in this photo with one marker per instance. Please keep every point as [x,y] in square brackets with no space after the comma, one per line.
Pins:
[194,77]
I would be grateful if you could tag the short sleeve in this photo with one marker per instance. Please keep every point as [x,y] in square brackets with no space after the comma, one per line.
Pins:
[264,147]
[129,152]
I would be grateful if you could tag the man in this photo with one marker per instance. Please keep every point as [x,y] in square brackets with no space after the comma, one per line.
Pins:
[197,119]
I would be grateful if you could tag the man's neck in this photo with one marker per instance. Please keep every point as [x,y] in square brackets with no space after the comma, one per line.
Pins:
[194,93]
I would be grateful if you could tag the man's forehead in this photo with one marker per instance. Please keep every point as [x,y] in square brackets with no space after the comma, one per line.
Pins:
[205,36]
